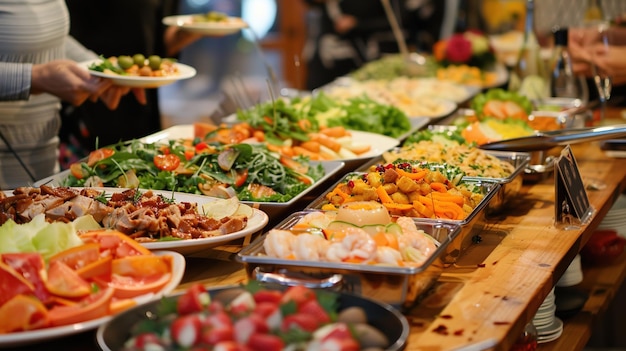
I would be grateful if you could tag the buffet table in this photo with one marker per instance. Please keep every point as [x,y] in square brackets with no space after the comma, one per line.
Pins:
[486,299]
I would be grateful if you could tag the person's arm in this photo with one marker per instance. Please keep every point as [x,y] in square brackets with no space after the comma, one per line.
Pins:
[15,81]
[77,52]
[177,39]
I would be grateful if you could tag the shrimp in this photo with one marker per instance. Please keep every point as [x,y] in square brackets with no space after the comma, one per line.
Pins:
[359,244]
[336,252]
[317,219]
[388,255]
[309,247]
[413,237]
[279,243]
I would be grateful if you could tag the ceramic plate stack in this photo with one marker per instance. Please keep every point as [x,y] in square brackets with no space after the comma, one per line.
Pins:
[573,274]
[549,327]
[616,217]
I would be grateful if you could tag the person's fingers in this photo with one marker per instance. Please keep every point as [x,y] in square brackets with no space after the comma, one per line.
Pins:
[113,99]
[140,95]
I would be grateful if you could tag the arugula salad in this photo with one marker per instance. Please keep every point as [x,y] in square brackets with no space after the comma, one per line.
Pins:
[251,172]
[320,110]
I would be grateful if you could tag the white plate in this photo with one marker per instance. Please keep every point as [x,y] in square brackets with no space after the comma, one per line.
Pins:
[230,26]
[379,143]
[40,335]
[184,72]
[255,223]
[187,246]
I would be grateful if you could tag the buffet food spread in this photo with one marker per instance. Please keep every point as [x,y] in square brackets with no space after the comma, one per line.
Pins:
[368,205]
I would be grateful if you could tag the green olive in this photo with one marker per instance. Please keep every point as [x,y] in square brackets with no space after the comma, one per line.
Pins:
[139,59]
[125,61]
[155,62]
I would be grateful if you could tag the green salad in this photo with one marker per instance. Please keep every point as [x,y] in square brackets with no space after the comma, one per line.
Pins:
[358,113]
[251,172]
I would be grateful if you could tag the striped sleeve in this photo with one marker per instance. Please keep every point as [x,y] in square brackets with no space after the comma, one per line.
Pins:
[76,51]
[15,79]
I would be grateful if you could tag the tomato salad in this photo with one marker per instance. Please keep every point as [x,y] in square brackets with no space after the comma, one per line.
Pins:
[251,172]
[256,319]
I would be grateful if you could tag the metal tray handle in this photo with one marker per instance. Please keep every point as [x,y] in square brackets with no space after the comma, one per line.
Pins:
[285,277]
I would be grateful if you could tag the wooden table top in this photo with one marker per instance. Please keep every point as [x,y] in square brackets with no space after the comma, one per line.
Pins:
[496,286]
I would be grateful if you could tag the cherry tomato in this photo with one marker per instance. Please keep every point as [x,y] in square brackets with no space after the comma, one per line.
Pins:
[265,342]
[167,162]
[77,170]
[193,300]
[186,330]
[201,146]
[299,294]
[313,308]
[99,155]
[241,178]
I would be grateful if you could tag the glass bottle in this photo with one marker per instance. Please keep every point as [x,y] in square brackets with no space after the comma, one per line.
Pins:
[527,341]
[563,82]
[529,75]
[593,11]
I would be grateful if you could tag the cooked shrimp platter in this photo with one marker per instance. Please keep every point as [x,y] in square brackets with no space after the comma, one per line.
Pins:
[359,232]
[382,256]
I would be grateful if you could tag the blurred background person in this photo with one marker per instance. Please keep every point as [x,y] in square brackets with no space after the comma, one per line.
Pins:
[343,35]
[35,76]
[113,28]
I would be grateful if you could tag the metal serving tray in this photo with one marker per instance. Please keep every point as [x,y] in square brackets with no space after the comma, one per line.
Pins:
[490,203]
[512,183]
[398,286]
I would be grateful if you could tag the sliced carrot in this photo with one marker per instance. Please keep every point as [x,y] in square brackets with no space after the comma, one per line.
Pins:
[311,145]
[412,175]
[397,207]
[300,151]
[423,210]
[335,132]
[440,187]
[383,196]
[326,141]
[456,199]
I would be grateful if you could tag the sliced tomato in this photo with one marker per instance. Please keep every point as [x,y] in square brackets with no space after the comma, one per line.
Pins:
[23,313]
[99,155]
[93,306]
[78,256]
[241,177]
[12,283]
[31,266]
[114,243]
[167,162]
[189,154]
[65,282]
